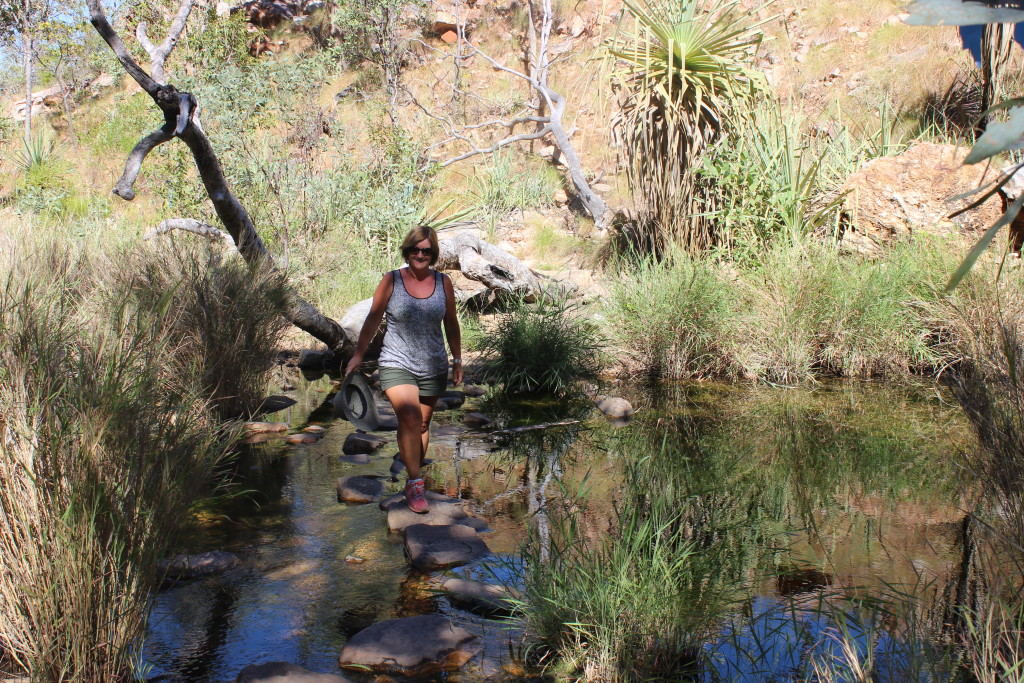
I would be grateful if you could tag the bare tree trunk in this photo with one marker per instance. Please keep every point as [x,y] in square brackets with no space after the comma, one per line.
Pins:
[27,41]
[181,119]
[996,41]
[65,95]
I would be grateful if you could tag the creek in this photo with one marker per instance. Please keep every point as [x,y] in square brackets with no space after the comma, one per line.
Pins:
[844,487]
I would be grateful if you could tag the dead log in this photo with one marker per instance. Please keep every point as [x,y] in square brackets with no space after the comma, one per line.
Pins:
[490,265]
[181,120]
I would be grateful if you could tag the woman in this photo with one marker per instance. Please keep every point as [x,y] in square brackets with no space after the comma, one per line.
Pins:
[413,364]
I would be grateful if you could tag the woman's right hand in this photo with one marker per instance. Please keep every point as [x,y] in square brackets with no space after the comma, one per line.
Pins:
[353,364]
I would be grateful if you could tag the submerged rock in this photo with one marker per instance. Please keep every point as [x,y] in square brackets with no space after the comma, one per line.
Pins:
[285,672]
[438,547]
[251,428]
[412,646]
[359,489]
[486,599]
[272,404]
[360,442]
[304,437]
[474,419]
[615,407]
[197,566]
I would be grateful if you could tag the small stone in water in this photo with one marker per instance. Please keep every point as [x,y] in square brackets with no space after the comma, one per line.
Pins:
[313,429]
[303,438]
[474,419]
[352,559]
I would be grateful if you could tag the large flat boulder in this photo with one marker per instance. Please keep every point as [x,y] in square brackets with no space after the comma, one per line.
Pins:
[432,547]
[285,672]
[443,511]
[893,198]
[412,646]
[197,566]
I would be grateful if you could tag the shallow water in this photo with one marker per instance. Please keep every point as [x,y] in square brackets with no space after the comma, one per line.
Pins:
[842,486]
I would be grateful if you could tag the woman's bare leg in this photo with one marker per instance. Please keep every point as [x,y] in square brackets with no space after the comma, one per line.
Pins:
[427,404]
[405,398]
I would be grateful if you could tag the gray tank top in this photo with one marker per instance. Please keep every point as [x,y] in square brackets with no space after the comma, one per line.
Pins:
[413,339]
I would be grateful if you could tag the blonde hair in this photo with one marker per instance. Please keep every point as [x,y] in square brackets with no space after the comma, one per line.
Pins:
[417,235]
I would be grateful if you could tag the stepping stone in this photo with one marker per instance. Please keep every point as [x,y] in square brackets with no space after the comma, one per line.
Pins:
[357,458]
[198,566]
[304,437]
[313,429]
[442,404]
[264,427]
[486,599]
[614,407]
[439,547]
[443,511]
[261,438]
[387,424]
[474,419]
[359,489]
[285,672]
[473,390]
[454,399]
[412,646]
[272,404]
[360,442]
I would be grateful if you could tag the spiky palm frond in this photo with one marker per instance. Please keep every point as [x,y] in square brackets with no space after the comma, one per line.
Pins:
[681,71]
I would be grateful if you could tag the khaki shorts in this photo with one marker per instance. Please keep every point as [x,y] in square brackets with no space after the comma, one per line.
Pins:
[428,386]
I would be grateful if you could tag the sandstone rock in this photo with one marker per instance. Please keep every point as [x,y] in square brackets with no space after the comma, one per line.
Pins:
[561,197]
[474,419]
[353,559]
[450,37]
[448,430]
[443,511]
[360,442]
[474,390]
[614,407]
[356,458]
[442,405]
[480,598]
[285,672]
[222,9]
[413,646]
[264,427]
[313,429]
[351,324]
[430,546]
[893,198]
[359,489]
[197,566]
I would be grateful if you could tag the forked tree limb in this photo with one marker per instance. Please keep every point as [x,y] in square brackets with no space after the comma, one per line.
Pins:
[181,120]
[158,55]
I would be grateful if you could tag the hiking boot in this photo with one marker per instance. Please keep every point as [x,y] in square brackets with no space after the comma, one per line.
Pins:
[416,497]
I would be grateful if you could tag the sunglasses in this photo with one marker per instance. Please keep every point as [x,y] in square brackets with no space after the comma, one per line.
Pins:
[419,250]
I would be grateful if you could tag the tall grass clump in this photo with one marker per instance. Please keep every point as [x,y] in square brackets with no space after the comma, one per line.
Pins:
[984,322]
[547,346]
[106,441]
[227,319]
[673,315]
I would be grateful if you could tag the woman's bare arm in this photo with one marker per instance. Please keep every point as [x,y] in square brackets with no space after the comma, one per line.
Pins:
[372,322]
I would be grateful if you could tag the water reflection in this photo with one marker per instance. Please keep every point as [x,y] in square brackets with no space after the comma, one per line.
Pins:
[781,495]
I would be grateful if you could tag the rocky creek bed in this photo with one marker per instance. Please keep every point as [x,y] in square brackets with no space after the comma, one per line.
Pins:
[331,568]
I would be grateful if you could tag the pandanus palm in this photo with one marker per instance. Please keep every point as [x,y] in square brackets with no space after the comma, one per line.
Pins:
[681,72]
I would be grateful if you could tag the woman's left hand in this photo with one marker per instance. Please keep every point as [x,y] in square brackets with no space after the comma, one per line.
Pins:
[457,374]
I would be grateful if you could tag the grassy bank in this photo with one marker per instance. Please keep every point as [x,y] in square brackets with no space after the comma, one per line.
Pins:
[802,312]
[115,377]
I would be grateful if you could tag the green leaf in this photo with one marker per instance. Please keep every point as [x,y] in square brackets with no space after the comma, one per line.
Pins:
[982,245]
[960,13]
[999,136]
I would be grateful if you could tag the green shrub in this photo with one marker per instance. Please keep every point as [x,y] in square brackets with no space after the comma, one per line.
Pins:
[502,186]
[542,347]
